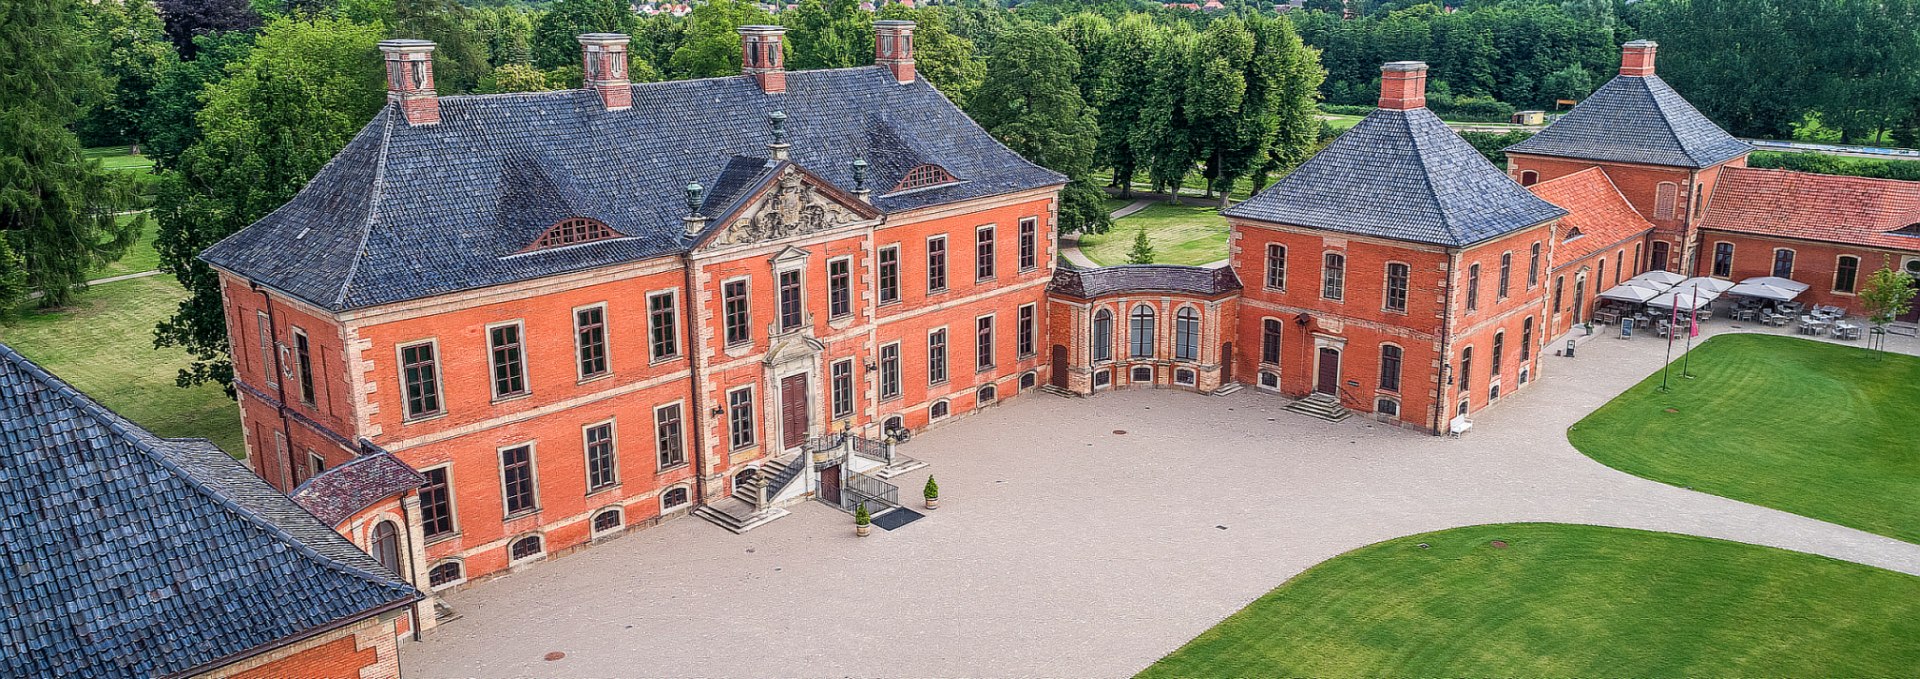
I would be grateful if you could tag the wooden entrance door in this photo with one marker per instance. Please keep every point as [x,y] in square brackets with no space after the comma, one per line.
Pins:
[830,484]
[1226,362]
[1059,377]
[1328,380]
[793,411]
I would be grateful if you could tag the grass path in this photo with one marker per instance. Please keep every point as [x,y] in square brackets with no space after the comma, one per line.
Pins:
[1180,234]
[103,345]
[1818,429]
[1566,600]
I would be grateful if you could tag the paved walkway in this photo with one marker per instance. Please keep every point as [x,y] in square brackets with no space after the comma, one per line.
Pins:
[1070,242]
[1064,547]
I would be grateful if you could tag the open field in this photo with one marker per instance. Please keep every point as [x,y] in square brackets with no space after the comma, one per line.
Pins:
[1568,600]
[1181,234]
[1809,427]
[140,257]
[119,158]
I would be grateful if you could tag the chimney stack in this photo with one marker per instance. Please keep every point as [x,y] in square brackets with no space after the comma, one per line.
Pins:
[761,57]
[410,79]
[1403,85]
[1636,58]
[604,60]
[893,48]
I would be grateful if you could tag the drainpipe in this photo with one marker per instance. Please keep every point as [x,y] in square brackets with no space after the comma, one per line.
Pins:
[694,347]
[1441,402]
[279,379]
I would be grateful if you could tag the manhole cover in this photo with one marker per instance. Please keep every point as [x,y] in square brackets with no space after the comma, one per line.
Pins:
[556,655]
[1499,544]
[1119,431]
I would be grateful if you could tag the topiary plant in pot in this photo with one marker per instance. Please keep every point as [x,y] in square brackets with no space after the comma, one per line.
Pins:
[932,493]
[862,522]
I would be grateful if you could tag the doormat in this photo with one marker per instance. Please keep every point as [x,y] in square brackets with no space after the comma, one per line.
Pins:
[900,516]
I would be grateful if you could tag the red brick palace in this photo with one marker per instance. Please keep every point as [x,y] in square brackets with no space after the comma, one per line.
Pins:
[497,328]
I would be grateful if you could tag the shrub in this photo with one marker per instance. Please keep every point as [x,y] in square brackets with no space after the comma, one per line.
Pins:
[933,489]
[1346,110]
[1476,110]
[860,515]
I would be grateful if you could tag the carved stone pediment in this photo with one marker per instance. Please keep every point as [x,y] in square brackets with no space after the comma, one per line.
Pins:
[792,204]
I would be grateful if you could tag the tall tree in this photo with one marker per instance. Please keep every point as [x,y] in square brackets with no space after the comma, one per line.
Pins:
[188,19]
[556,33]
[1228,116]
[712,46]
[828,34]
[56,207]
[297,98]
[134,54]
[460,51]
[948,61]
[1121,91]
[1160,135]
[1029,103]
[170,124]
[1294,74]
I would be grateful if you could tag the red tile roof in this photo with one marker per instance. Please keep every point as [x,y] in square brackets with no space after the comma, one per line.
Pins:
[1594,207]
[1821,207]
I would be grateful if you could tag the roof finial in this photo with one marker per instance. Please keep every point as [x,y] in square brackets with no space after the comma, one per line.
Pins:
[860,180]
[778,120]
[694,221]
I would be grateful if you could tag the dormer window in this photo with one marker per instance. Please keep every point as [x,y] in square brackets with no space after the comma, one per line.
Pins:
[924,176]
[1908,230]
[1572,233]
[572,231]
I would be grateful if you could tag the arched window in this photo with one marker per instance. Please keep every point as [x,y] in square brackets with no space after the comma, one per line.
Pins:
[385,545]
[1270,341]
[1028,381]
[1102,335]
[893,425]
[939,410]
[1466,369]
[673,499]
[1529,177]
[1572,233]
[1526,341]
[445,573]
[924,176]
[1184,377]
[524,548]
[1140,331]
[606,521]
[1664,196]
[1783,263]
[1390,367]
[1499,348]
[573,231]
[1186,334]
[987,394]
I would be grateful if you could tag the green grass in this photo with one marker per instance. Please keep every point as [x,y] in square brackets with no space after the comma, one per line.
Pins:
[1181,234]
[1112,204]
[119,158]
[103,345]
[140,257]
[1340,123]
[1193,187]
[1817,429]
[1564,600]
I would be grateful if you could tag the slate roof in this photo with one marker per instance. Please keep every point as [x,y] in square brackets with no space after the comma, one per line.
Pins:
[1134,278]
[337,493]
[1595,207]
[405,212]
[1636,119]
[1880,213]
[1400,174]
[123,554]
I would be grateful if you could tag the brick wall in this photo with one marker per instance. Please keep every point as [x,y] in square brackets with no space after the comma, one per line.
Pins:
[265,335]
[1814,263]
[362,650]
[1205,371]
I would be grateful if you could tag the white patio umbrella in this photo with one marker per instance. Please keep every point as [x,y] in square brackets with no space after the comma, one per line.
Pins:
[1660,277]
[1762,291]
[1704,284]
[1644,284]
[1783,283]
[1684,300]
[1627,292]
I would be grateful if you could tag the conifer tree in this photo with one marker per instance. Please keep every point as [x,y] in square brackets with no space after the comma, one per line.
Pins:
[1142,252]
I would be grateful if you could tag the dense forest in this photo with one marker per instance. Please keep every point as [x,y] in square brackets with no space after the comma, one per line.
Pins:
[238,103]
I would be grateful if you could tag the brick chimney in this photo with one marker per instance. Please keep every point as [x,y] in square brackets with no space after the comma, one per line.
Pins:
[410,79]
[604,58]
[893,48]
[761,57]
[1636,58]
[1403,85]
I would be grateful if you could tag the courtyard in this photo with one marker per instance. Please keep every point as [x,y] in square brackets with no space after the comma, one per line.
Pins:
[1085,538]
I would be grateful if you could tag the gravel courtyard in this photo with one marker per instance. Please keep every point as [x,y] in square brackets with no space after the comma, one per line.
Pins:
[1065,548]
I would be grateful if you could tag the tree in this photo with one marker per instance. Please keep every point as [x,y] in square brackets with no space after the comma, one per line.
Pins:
[829,34]
[1160,135]
[460,51]
[169,125]
[1121,90]
[1142,252]
[508,32]
[948,61]
[188,19]
[1572,82]
[516,78]
[306,88]
[56,207]
[1887,294]
[1295,76]
[134,53]
[556,34]
[1030,103]
[712,46]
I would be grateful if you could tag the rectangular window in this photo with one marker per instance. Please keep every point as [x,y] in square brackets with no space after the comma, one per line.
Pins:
[839,288]
[1397,275]
[1723,260]
[890,274]
[1473,287]
[1102,336]
[1333,276]
[936,264]
[666,436]
[1389,367]
[1025,329]
[983,343]
[1506,272]
[303,362]
[1276,266]
[1270,341]
[1526,340]
[739,321]
[792,301]
[740,417]
[983,253]
[590,331]
[662,333]
[1559,286]
[268,366]
[1499,350]
[600,457]
[937,356]
[1533,266]
[505,352]
[842,388]
[315,463]
[516,478]
[421,374]
[890,371]
[1029,243]
[1140,326]
[436,503]
[1844,272]
[1466,368]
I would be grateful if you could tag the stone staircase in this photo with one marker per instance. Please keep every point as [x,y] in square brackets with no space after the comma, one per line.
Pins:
[1227,389]
[741,512]
[1057,391]
[1321,406]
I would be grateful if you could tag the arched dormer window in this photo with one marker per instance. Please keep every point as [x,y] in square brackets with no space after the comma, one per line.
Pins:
[1572,233]
[924,176]
[572,231]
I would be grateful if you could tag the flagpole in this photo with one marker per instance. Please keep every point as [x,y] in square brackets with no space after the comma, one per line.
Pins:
[1673,319]
[1693,320]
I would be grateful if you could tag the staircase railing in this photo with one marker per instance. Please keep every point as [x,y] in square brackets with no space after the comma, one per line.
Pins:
[871,449]
[771,488]
[871,490]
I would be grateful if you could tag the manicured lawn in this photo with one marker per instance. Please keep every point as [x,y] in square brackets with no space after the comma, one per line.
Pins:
[1818,429]
[1564,600]
[1181,234]
[119,158]
[1112,204]
[140,257]
[103,345]
[1340,123]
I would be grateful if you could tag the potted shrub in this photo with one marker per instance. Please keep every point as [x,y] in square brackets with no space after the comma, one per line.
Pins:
[933,494]
[862,522]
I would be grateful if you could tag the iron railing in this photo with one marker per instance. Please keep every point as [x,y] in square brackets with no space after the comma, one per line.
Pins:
[870,449]
[877,494]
